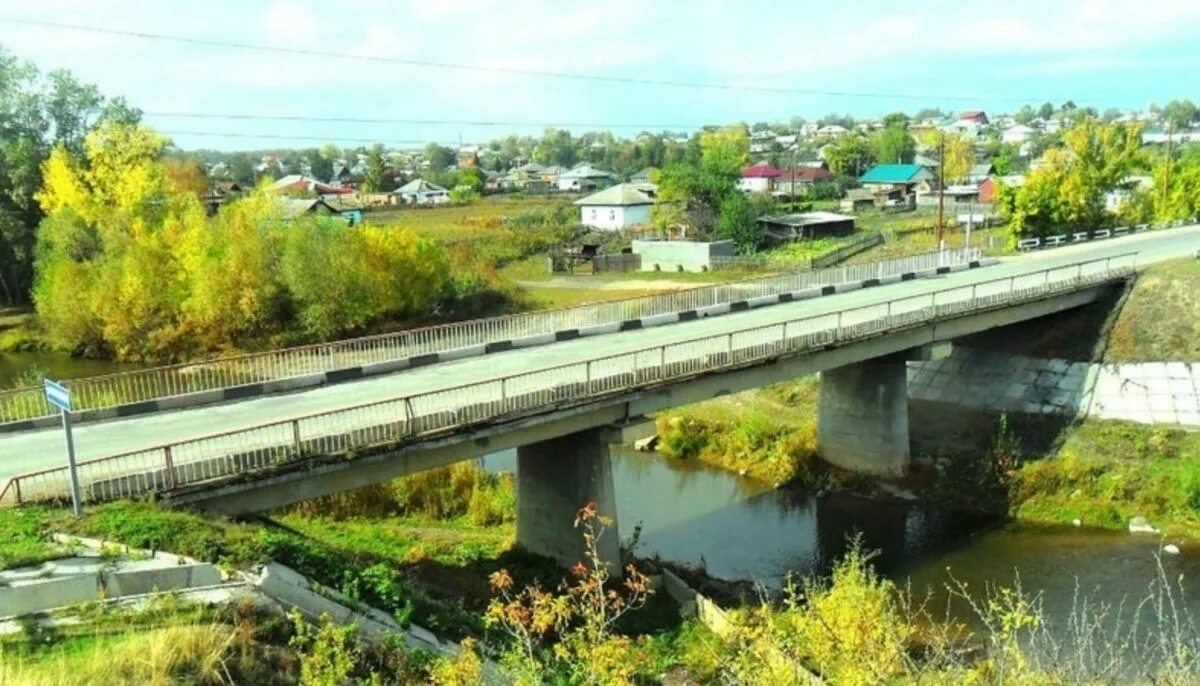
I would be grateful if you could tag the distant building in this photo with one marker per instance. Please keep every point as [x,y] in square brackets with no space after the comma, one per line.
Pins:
[584,177]
[805,177]
[643,176]
[906,178]
[759,178]
[807,225]
[298,183]
[617,207]
[1017,134]
[421,192]
[989,188]
[833,131]
[220,193]
[294,208]
[979,172]
[973,118]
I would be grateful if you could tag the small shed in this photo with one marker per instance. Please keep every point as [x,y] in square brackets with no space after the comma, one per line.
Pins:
[807,225]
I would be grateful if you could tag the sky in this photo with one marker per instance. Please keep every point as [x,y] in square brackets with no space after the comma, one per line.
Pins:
[773,59]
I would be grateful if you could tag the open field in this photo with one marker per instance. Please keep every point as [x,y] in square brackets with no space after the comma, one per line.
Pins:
[450,223]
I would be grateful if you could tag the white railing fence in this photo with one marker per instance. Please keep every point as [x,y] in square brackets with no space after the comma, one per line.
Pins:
[388,422]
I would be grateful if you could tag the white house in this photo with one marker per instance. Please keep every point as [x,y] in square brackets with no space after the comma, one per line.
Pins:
[1017,134]
[833,130]
[421,192]
[617,207]
[759,178]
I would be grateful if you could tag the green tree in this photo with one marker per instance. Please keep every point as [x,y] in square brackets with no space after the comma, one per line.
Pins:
[439,157]
[1025,115]
[850,156]
[1179,114]
[375,178]
[893,145]
[1046,110]
[556,147]
[695,192]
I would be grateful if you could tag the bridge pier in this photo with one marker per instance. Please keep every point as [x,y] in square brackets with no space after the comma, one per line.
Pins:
[863,420]
[557,477]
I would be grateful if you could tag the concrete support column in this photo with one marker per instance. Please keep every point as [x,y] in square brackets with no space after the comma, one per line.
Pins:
[864,416]
[557,477]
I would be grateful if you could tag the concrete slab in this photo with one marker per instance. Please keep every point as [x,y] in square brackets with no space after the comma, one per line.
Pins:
[126,582]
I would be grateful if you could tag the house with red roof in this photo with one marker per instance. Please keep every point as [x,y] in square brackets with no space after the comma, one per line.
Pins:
[759,178]
[805,177]
[973,118]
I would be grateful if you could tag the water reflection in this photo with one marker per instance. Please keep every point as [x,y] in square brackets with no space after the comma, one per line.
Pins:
[738,528]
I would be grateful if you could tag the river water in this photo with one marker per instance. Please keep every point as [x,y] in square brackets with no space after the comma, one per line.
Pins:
[54,365]
[737,528]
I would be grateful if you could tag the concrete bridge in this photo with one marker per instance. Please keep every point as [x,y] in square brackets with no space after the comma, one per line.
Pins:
[561,405]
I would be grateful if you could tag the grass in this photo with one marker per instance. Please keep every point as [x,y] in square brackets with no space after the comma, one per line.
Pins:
[1160,321]
[24,540]
[1107,472]
[769,434]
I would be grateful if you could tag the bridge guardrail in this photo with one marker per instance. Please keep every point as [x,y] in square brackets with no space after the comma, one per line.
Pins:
[1028,244]
[125,388]
[169,466]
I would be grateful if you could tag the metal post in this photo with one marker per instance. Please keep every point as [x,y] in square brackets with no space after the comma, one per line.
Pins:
[170,465]
[76,499]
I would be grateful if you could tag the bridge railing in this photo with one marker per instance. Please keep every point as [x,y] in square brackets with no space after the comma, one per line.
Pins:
[113,390]
[172,465]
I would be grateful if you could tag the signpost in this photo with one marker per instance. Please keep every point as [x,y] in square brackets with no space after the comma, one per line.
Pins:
[59,396]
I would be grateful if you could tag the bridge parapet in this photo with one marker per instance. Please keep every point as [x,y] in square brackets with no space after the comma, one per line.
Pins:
[423,416]
[242,376]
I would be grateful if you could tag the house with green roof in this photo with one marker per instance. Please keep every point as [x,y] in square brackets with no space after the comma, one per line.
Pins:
[905,178]
[617,207]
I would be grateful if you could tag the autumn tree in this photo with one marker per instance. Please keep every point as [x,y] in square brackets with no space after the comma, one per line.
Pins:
[695,193]
[375,171]
[893,144]
[1067,192]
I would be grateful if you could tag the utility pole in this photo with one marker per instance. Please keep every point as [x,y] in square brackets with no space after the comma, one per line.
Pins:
[941,190]
[792,192]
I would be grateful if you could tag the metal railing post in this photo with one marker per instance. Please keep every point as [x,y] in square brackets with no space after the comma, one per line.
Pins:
[170,464]
[296,443]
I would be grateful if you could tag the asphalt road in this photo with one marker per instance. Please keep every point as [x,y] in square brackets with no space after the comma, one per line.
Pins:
[45,448]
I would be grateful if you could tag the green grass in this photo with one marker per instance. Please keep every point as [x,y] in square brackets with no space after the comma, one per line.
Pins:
[768,434]
[1107,472]
[1160,321]
[23,539]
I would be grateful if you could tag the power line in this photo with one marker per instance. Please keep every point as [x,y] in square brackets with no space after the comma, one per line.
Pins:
[415,122]
[434,64]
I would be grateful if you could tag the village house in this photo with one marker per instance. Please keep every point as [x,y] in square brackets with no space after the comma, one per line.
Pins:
[905,178]
[220,193]
[294,208]
[759,178]
[979,172]
[584,177]
[807,225]
[617,207]
[421,192]
[802,179]
[989,189]
[833,131]
[1017,134]
[294,184]
[643,176]
[973,118]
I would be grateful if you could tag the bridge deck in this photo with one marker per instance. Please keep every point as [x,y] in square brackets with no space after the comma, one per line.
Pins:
[43,449]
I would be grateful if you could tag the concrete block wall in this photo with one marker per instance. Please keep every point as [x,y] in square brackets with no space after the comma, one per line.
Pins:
[691,256]
[1166,393]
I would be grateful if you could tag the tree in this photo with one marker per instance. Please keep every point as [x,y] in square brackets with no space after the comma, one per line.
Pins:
[320,166]
[893,145]
[1025,115]
[700,189]
[439,157]
[898,120]
[957,154]
[849,156]
[1067,193]
[1046,110]
[928,114]
[375,171]
[556,147]
[36,114]
[1179,114]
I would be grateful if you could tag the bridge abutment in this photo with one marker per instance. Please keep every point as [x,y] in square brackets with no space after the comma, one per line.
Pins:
[863,421]
[557,477]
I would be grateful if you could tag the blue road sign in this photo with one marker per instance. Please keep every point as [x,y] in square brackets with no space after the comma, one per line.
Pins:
[58,395]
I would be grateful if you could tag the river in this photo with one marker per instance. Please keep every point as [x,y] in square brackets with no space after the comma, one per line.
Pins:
[737,528]
[54,365]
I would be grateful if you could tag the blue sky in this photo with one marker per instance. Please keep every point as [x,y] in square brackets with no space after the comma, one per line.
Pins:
[957,55]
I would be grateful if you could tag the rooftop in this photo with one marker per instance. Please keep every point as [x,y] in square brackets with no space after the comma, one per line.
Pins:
[622,194]
[762,170]
[807,218]
[896,173]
